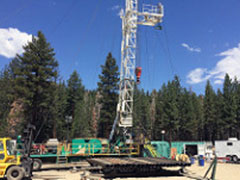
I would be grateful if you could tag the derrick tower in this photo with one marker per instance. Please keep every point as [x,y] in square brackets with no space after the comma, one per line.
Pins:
[149,15]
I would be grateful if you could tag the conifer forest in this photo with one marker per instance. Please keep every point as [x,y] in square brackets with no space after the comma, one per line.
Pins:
[32,90]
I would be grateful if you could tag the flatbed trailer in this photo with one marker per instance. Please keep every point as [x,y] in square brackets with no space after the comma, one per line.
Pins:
[134,166]
[67,153]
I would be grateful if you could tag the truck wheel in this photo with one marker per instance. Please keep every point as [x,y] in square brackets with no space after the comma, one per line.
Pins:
[15,173]
[229,158]
[235,159]
[37,164]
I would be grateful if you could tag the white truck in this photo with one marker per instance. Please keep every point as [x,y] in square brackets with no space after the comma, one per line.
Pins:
[229,149]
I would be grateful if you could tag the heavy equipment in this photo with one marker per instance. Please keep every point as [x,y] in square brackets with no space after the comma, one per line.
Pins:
[149,15]
[12,165]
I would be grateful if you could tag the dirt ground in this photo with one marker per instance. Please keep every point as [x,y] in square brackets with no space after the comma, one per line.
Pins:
[224,172]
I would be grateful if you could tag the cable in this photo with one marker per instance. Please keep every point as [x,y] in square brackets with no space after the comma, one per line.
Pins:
[153,59]
[13,13]
[138,48]
[94,14]
[90,23]
[147,58]
[168,51]
[67,12]
[164,47]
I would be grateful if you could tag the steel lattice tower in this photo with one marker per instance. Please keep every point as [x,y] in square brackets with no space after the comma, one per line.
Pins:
[151,15]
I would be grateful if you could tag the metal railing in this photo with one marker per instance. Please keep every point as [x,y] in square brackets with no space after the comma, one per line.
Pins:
[82,149]
[155,9]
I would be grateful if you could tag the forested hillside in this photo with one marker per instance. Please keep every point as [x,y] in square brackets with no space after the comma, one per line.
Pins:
[31,90]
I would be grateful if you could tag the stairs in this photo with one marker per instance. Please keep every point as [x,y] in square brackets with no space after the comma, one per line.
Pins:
[151,150]
[62,160]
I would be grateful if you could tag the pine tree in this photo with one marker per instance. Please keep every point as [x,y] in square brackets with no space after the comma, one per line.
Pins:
[153,111]
[237,93]
[75,91]
[60,108]
[108,87]
[219,123]
[198,107]
[35,77]
[236,107]
[158,125]
[80,125]
[229,107]
[91,113]
[170,99]
[209,112]
[96,113]
[75,103]
[5,101]
[188,119]
[141,113]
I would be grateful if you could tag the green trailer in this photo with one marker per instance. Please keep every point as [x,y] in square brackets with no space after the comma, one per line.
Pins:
[77,150]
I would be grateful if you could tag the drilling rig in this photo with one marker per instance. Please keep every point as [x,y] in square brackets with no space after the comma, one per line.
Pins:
[150,15]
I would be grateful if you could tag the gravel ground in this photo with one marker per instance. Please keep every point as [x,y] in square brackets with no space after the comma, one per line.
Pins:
[224,172]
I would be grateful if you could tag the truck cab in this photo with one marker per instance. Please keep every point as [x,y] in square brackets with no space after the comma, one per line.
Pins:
[10,165]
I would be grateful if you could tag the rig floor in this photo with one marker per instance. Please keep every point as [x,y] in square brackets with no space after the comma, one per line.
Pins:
[138,166]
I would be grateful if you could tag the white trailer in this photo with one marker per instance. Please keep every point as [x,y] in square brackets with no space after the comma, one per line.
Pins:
[228,149]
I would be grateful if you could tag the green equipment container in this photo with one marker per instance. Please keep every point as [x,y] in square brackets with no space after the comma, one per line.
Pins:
[162,148]
[87,146]
[180,145]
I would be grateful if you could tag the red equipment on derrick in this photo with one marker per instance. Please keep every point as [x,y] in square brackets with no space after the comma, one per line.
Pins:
[138,72]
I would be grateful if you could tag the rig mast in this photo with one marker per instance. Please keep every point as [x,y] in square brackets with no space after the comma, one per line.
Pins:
[150,15]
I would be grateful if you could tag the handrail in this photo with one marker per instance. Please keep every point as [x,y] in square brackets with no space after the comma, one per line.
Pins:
[83,149]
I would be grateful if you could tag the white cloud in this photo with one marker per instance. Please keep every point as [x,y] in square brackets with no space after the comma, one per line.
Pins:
[116,7]
[191,48]
[230,63]
[11,42]
[218,81]
[197,75]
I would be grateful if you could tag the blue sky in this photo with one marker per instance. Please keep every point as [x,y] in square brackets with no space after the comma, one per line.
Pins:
[200,39]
